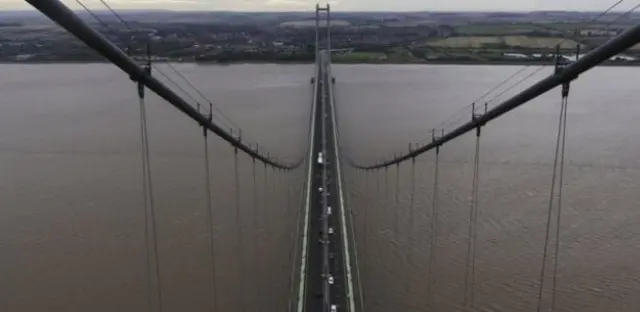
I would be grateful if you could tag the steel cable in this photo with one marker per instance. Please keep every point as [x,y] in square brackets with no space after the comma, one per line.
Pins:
[210,227]
[432,244]
[550,203]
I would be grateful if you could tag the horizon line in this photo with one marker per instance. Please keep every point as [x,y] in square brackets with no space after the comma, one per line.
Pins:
[336,11]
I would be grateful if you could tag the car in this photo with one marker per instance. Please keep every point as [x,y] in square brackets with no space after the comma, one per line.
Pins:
[330,280]
[320,189]
[329,210]
[334,308]
[320,158]
[330,230]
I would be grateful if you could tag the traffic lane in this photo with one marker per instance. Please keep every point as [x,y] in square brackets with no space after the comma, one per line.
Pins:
[339,289]
[314,281]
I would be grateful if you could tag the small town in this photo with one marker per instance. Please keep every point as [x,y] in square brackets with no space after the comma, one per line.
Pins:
[475,37]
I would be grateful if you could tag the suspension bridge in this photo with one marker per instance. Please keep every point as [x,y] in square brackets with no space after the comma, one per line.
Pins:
[324,242]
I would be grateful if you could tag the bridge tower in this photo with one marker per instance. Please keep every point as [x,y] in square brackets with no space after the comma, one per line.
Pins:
[327,24]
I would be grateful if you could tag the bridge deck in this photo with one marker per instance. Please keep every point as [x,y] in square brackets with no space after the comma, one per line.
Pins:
[326,250]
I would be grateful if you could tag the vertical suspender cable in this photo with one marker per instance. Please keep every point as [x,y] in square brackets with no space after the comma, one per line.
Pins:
[396,208]
[469,285]
[409,242]
[287,222]
[475,223]
[557,157]
[283,205]
[296,234]
[376,264]
[396,213]
[550,207]
[266,239]
[150,218]
[256,240]
[387,208]
[365,217]
[277,222]
[292,228]
[434,231]
[386,189]
[378,203]
[210,230]
[145,191]
[559,212]
[374,279]
[240,246]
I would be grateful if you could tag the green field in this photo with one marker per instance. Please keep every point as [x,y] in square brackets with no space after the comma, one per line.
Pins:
[312,23]
[494,29]
[360,57]
[526,42]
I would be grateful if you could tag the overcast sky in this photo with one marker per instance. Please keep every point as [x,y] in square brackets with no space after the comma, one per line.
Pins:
[375,5]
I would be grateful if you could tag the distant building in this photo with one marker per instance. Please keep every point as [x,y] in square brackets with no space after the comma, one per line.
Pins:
[516,55]
[24,57]
[599,32]
[444,31]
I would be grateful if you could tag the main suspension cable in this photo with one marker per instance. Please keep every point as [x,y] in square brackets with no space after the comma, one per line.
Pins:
[176,71]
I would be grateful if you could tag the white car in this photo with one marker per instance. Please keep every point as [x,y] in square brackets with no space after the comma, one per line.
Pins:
[334,308]
[330,230]
[329,210]
[330,280]
[320,158]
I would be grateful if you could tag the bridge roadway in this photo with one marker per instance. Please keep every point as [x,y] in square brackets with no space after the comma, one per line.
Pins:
[325,249]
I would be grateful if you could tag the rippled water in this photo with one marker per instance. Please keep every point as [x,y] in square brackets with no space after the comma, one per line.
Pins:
[71,217]
[71,236]
[600,239]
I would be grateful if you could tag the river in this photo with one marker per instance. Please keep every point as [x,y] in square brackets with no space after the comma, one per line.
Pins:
[71,216]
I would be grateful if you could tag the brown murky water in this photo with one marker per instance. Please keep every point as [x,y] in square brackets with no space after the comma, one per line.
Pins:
[71,216]
[71,231]
[600,239]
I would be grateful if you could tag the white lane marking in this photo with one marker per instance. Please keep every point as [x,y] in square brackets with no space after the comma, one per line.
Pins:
[342,213]
[305,234]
